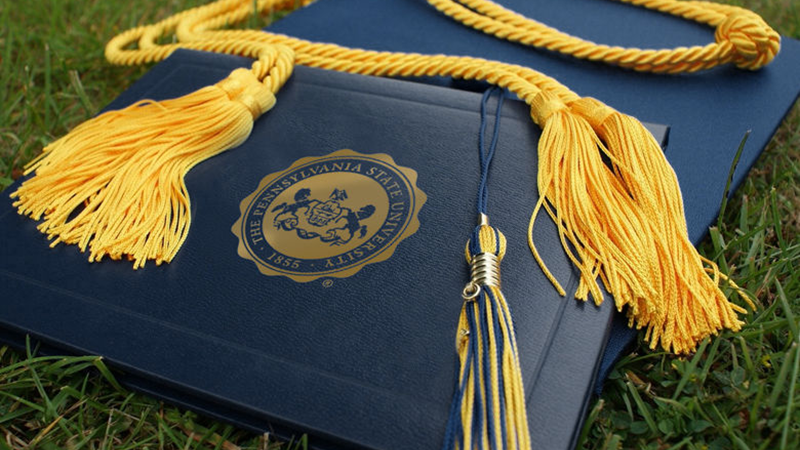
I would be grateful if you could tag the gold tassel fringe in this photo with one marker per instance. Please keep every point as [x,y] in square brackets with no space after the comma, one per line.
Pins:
[115,184]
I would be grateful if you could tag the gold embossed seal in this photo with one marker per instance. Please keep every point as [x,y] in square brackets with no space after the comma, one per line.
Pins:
[329,216]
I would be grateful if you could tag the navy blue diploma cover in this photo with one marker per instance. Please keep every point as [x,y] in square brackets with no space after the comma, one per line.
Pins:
[364,358]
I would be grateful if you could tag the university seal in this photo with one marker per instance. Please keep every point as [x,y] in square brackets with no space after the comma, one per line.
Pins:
[328,216]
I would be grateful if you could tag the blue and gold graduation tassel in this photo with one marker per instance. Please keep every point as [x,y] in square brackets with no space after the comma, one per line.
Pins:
[488,409]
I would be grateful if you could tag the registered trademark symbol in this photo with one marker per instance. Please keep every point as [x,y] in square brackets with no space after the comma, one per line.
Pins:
[327,283]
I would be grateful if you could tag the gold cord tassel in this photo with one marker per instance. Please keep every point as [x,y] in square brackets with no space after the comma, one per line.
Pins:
[621,220]
[688,303]
[115,184]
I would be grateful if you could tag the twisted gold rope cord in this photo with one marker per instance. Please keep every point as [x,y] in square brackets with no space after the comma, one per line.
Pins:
[742,37]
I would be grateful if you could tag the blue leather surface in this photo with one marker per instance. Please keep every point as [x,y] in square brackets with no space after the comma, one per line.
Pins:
[368,361]
[708,113]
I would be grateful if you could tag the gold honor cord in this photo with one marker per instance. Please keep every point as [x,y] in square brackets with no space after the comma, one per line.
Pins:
[114,185]
[742,37]
[624,225]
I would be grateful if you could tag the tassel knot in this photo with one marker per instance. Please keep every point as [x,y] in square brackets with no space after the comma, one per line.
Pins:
[544,105]
[486,239]
[244,87]
[593,111]
[754,43]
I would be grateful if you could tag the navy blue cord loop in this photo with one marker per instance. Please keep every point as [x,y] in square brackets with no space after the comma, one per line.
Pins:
[484,154]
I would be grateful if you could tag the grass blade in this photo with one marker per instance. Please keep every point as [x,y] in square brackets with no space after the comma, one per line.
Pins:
[690,370]
[790,402]
[724,204]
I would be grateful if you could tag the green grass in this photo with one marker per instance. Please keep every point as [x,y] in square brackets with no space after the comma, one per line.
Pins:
[739,391]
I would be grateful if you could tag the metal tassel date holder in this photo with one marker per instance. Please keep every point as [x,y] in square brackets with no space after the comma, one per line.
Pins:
[484,268]
[488,409]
